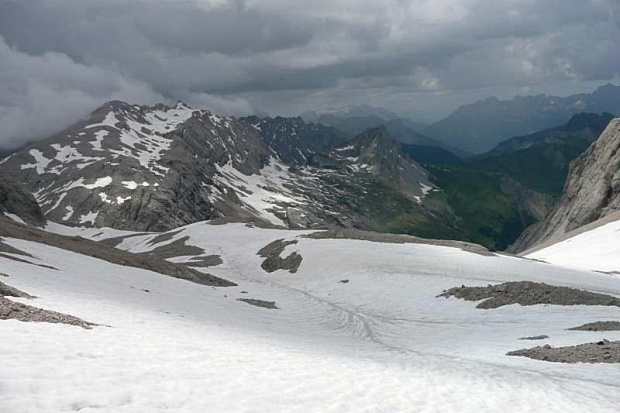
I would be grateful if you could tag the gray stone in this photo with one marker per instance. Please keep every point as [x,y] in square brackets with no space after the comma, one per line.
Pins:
[259,303]
[10,310]
[273,261]
[599,326]
[528,293]
[604,351]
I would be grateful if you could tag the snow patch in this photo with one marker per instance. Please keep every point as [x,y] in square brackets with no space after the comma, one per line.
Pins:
[89,218]
[69,213]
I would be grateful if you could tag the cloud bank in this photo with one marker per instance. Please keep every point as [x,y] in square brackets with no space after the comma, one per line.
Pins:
[60,59]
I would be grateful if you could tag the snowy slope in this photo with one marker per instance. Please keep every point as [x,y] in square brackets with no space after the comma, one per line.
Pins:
[594,247]
[380,343]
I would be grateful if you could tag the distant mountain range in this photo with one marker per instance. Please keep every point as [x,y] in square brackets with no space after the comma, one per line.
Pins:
[541,160]
[352,111]
[480,126]
[157,168]
[516,184]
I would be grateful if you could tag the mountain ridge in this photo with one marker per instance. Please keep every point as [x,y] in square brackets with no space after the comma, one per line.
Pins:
[521,115]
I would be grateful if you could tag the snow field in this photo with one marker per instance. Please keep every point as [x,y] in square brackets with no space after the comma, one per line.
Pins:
[380,343]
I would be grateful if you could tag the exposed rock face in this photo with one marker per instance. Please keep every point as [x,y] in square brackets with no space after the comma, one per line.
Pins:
[378,154]
[592,191]
[293,139]
[14,200]
[532,205]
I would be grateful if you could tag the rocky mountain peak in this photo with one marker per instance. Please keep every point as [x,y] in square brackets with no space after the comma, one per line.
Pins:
[294,140]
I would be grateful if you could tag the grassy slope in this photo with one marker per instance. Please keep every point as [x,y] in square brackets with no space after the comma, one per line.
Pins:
[487,216]
[541,168]
[387,209]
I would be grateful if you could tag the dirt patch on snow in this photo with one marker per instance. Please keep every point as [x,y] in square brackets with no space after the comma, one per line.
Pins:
[543,337]
[356,234]
[599,326]
[11,310]
[8,291]
[528,293]
[260,303]
[98,250]
[177,248]
[250,221]
[273,261]
[7,249]
[116,241]
[10,257]
[167,236]
[604,351]
[205,262]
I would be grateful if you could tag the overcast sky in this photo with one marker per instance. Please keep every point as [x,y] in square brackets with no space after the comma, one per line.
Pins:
[60,59]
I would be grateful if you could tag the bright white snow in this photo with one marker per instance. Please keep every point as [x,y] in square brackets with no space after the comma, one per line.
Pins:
[89,218]
[263,193]
[380,343]
[597,250]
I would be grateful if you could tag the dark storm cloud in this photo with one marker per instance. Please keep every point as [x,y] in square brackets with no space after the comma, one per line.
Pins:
[59,59]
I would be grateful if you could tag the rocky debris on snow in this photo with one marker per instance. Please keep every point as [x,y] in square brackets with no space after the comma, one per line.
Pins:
[604,351]
[528,293]
[7,249]
[116,241]
[542,337]
[94,249]
[8,252]
[599,326]
[10,310]
[591,192]
[205,262]
[177,248]
[12,258]
[609,272]
[273,262]
[356,234]
[260,303]
[8,291]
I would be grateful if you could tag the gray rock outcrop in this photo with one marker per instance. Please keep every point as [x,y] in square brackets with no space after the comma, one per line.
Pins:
[16,201]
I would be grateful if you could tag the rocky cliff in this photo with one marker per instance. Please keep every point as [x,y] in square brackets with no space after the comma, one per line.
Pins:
[16,202]
[592,191]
